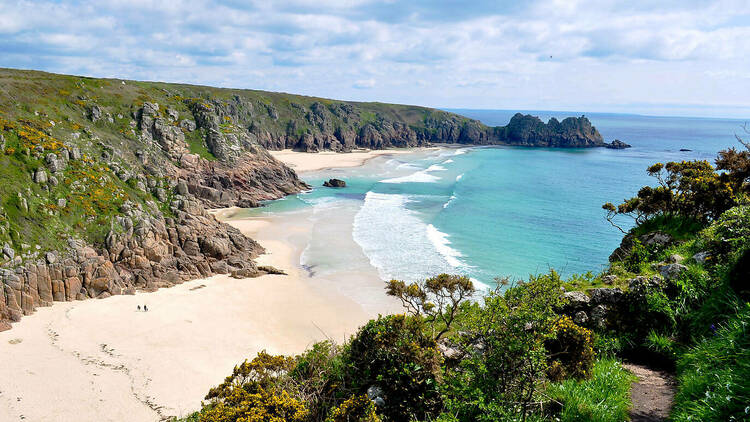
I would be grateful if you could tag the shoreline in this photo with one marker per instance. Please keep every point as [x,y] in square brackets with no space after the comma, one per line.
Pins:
[307,162]
[122,363]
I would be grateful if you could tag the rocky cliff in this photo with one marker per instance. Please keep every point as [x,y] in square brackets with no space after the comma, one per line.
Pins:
[106,182]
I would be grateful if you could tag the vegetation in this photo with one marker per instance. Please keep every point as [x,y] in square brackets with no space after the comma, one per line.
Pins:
[605,397]
[43,113]
[516,353]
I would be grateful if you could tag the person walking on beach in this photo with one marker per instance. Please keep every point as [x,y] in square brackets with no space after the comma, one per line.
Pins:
[145,308]
[139,307]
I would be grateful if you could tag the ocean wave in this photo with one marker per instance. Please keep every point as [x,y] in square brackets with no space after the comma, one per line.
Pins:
[460,151]
[442,245]
[398,243]
[450,200]
[460,176]
[448,161]
[478,285]
[421,176]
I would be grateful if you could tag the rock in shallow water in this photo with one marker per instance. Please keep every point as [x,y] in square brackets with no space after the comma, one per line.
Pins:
[617,144]
[335,183]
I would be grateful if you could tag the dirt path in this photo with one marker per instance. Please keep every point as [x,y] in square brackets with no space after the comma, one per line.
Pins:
[652,394]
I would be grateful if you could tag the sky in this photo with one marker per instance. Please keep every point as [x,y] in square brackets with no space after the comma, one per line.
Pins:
[666,57]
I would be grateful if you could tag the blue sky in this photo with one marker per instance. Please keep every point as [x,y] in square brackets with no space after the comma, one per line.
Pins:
[666,57]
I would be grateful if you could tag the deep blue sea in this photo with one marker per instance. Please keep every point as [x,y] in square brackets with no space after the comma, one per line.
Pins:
[499,211]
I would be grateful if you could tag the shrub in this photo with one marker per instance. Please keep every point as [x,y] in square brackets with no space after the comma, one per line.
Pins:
[355,409]
[638,255]
[394,354]
[503,344]
[261,406]
[318,375]
[570,352]
[730,234]
[607,345]
[257,391]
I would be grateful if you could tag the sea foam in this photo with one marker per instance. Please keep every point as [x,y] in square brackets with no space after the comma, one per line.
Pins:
[398,243]
[442,245]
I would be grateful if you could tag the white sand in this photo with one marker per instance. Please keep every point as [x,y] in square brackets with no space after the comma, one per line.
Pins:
[101,360]
[304,161]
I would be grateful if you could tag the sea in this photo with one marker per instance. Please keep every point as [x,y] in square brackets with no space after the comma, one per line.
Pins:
[493,212]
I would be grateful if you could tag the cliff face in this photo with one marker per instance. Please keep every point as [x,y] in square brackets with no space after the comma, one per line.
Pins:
[106,182]
[340,126]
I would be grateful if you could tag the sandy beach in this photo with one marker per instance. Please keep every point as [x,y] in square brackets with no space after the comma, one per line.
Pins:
[103,360]
[303,161]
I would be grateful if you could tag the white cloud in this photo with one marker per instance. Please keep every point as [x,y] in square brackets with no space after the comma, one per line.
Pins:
[364,83]
[585,54]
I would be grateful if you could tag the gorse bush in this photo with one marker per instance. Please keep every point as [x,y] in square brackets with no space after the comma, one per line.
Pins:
[355,409]
[570,352]
[257,391]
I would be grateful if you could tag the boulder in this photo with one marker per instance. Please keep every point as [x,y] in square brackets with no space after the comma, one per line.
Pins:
[53,164]
[701,257]
[334,183]
[581,318]
[576,300]
[172,114]
[244,273]
[599,316]
[606,295]
[215,247]
[671,271]
[617,144]
[188,125]
[72,288]
[609,279]
[219,267]
[40,176]
[656,239]
[675,259]
[95,113]
[247,203]
[8,252]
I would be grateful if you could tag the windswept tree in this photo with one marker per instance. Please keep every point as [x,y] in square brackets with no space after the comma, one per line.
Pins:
[690,189]
[436,300]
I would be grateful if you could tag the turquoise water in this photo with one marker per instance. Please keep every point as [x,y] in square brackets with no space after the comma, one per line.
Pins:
[500,211]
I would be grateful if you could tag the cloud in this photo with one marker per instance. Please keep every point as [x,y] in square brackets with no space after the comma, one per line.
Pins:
[575,54]
[364,84]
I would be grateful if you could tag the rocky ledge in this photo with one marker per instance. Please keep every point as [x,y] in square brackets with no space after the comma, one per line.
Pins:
[147,253]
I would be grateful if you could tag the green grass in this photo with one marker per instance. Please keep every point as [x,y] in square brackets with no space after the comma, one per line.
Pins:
[605,397]
[714,375]
[193,417]
[680,228]
[197,145]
